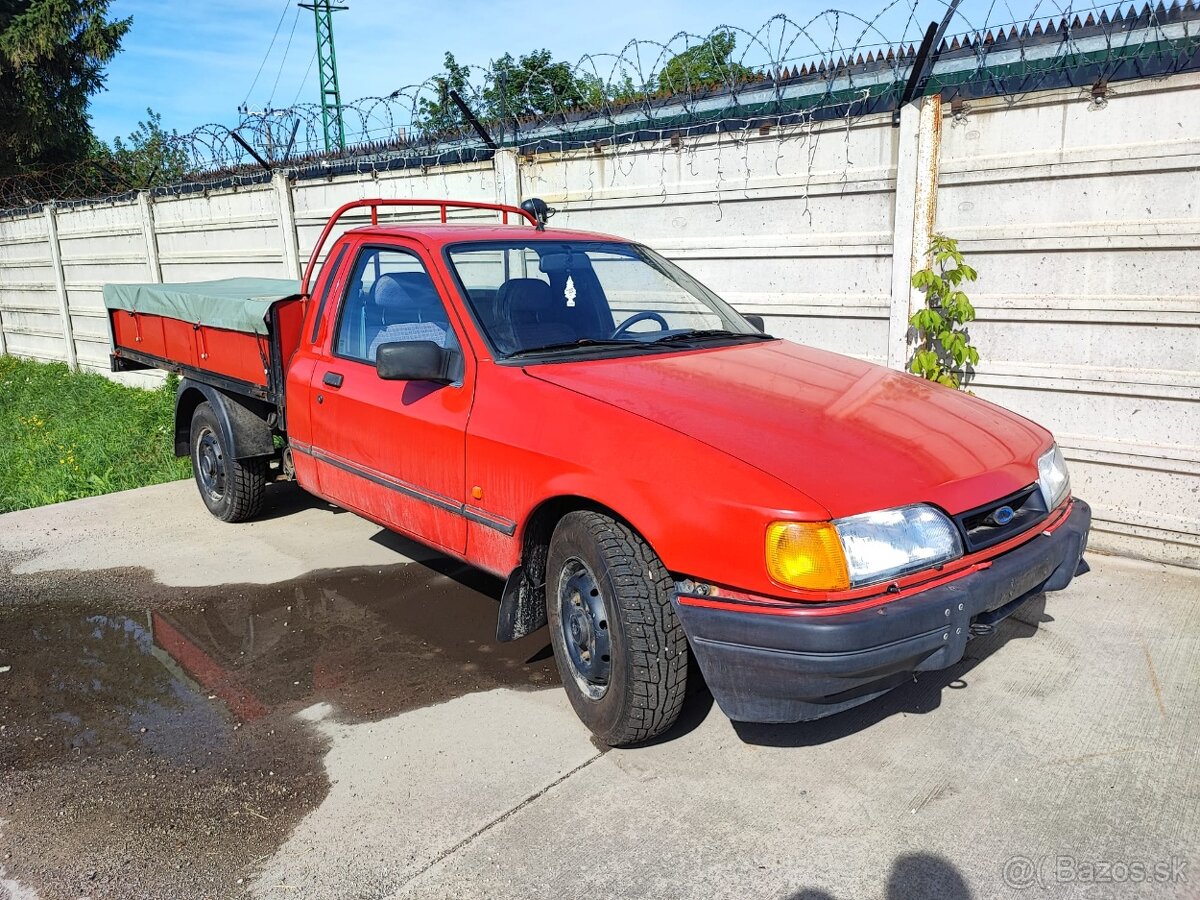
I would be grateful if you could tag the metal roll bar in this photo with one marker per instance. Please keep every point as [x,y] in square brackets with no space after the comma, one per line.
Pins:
[374,204]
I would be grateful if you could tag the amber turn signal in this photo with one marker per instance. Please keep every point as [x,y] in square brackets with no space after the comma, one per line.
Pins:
[807,555]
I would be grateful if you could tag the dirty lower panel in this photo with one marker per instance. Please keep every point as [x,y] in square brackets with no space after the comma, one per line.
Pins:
[149,745]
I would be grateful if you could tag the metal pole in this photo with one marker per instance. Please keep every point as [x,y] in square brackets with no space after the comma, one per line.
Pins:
[331,94]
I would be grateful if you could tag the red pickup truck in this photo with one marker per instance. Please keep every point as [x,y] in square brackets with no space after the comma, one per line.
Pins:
[652,474]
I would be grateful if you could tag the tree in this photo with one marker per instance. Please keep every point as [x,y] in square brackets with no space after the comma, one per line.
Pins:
[52,59]
[534,85]
[152,156]
[705,65]
[944,352]
[596,92]
[440,114]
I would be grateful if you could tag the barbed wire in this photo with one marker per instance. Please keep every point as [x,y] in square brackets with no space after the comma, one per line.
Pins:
[837,64]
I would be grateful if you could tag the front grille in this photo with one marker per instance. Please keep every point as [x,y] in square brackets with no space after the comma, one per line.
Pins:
[982,527]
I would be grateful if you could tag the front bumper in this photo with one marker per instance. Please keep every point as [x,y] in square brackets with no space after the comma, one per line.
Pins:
[793,668]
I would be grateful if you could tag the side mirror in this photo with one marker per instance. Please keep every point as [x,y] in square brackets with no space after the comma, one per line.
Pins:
[418,361]
[756,321]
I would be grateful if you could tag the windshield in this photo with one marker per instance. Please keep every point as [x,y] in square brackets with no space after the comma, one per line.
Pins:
[585,297]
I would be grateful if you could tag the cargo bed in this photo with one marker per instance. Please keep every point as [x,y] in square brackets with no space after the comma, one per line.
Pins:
[237,333]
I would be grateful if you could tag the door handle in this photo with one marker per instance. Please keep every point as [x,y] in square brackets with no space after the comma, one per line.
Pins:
[333,379]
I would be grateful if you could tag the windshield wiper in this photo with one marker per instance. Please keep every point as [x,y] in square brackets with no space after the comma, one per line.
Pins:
[581,344]
[694,334]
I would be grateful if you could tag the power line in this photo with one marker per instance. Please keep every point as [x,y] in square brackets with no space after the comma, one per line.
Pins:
[283,62]
[270,47]
[304,80]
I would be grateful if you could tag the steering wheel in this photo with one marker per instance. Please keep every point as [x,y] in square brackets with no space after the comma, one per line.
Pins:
[641,317]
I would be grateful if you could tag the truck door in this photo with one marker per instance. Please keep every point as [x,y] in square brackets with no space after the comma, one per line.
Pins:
[391,450]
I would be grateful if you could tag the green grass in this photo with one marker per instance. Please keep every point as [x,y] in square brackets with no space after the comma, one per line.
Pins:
[65,435]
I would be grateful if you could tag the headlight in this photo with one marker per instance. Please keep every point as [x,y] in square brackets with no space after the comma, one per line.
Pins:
[892,542]
[860,550]
[1053,478]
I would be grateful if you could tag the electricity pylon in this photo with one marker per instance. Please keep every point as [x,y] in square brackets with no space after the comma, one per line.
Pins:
[331,94]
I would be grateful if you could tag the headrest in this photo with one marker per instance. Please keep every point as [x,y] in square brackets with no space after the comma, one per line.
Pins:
[525,295]
[406,290]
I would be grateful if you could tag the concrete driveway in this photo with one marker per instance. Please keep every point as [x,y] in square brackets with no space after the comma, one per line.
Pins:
[296,708]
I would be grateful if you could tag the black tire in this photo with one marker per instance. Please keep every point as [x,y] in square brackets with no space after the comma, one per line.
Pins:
[617,597]
[232,489]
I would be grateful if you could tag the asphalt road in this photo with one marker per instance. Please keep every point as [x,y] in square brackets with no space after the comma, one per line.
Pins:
[296,708]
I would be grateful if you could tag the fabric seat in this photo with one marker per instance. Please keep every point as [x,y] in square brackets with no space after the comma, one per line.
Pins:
[533,315]
[408,309]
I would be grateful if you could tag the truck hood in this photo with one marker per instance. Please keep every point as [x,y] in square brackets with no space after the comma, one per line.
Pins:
[851,435]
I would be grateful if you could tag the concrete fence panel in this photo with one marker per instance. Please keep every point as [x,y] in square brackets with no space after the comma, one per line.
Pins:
[794,223]
[97,244]
[1083,219]
[30,316]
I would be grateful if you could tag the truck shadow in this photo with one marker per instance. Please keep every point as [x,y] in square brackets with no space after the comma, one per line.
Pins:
[696,706]
[284,498]
[920,695]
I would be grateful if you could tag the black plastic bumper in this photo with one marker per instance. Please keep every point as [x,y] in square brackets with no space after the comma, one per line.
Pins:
[772,668]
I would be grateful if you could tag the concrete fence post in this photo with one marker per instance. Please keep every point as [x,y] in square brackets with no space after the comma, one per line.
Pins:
[3,340]
[507,168]
[920,143]
[60,285]
[287,224]
[146,209]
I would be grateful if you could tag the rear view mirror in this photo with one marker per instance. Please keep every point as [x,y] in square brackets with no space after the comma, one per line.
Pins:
[418,361]
[756,321]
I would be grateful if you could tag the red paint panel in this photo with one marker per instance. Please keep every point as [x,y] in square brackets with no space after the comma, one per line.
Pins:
[138,332]
[399,438]
[290,315]
[233,354]
[855,436]
[700,509]
[179,341]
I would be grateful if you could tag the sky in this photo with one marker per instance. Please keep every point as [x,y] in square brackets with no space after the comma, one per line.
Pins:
[196,61]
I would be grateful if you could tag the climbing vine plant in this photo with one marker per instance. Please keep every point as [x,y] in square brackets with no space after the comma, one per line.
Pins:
[944,351]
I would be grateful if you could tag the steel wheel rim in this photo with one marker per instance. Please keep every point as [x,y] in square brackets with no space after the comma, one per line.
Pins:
[210,465]
[584,627]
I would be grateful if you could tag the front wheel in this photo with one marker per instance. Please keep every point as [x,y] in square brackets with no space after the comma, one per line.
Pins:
[618,644]
[232,489]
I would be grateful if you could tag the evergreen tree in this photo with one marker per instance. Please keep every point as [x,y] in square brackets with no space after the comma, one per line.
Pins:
[52,59]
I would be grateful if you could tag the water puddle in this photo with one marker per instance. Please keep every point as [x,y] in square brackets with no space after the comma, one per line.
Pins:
[148,738]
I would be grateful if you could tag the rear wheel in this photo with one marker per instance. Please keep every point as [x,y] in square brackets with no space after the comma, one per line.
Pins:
[232,489]
[618,644]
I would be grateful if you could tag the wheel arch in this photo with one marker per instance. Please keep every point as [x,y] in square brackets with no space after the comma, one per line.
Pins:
[243,421]
[523,602]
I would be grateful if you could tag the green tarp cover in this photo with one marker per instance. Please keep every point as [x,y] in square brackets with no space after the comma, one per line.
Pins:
[239,304]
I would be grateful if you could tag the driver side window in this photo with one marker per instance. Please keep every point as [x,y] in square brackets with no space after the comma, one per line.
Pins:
[390,298]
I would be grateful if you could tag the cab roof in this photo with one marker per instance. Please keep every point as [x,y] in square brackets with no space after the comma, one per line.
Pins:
[435,235]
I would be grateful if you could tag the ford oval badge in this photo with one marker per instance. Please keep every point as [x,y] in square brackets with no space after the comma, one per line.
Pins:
[1002,516]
